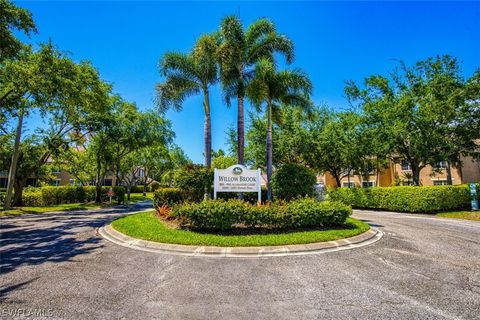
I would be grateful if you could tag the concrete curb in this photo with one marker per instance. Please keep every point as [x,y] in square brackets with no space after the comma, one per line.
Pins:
[361,240]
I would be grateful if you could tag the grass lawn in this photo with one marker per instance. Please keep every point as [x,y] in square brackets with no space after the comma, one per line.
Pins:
[58,207]
[147,226]
[468,215]
[136,197]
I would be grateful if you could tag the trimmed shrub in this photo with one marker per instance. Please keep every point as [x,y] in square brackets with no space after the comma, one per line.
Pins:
[154,185]
[405,199]
[292,181]
[210,214]
[32,198]
[308,212]
[167,196]
[223,215]
[45,196]
[193,181]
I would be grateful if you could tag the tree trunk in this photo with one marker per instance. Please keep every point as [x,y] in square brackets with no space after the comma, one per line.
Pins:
[13,165]
[269,151]
[145,180]
[98,187]
[415,173]
[18,195]
[337,180]
[129,188]
[207,130]
[240,135]
[240,130]
[449,174]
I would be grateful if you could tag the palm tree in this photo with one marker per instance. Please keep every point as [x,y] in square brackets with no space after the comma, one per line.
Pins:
[239,51]
[275,89]
[187,75]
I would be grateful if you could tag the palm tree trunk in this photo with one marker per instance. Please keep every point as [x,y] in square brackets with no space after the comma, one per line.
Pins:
[13,165]
[207,129]
[240,130]
[269,150]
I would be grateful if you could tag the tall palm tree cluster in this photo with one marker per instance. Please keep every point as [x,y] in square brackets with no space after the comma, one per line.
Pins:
[243,62]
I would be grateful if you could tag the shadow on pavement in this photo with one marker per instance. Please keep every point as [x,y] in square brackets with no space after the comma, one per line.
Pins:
[36,239]
[370,223]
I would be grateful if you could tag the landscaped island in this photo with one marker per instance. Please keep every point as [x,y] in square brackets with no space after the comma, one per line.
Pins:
[236,223]
[147,226]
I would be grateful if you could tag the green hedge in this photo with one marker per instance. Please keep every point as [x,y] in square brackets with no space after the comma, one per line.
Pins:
[167,196]
[405,199]
[223,215]
[45,196]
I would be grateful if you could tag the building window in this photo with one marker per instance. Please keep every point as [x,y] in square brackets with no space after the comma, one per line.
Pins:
[349,184]
[441,165]
[32,182]
[107,182]
[368,184]
[439,182]
[405,165]
[72,182]
[407,182]
[56,170]
[3,182]
[56,182]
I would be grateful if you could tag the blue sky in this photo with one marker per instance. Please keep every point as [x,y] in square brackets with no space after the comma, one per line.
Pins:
[334,42]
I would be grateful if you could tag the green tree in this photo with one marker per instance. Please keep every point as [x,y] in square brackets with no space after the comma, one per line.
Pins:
[424,111]
[187,75]
[131,130]
[238,53]
[66,95]
[273,89]
[177,159]
[154,161]
[13,18]
[122,131]
[332,143]
[221,160]
[290,137]
[31,163]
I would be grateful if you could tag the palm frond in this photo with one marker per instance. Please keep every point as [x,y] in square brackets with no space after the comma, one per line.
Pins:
[176,62]
[270,44]
[173,92]
[231,29]
[258,29]
[204,56]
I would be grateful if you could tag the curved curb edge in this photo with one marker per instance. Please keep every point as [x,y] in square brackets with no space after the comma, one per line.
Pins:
[369,237]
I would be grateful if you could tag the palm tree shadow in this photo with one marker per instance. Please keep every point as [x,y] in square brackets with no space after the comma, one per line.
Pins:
[5,290]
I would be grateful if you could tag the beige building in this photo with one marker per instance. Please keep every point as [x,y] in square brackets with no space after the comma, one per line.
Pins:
[399,172]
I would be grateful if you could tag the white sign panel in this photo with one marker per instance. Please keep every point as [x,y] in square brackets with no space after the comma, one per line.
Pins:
[236,178]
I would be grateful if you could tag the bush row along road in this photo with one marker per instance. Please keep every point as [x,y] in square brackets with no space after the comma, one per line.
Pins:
[423,268]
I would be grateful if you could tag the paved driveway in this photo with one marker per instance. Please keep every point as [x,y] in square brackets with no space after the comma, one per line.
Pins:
[57,267]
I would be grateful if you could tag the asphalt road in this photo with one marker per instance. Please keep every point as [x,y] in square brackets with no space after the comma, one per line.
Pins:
[55,266]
